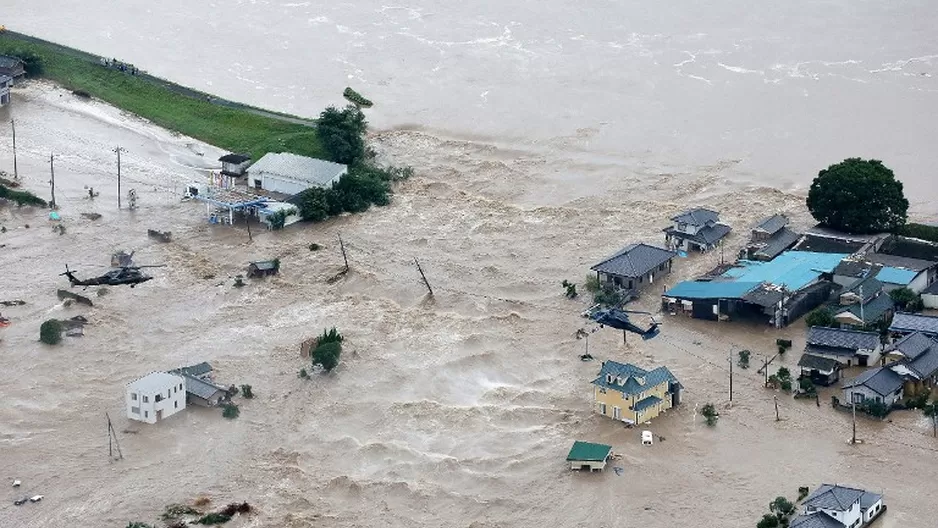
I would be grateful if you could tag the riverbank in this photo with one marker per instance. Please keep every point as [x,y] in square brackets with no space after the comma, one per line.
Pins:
[226,124]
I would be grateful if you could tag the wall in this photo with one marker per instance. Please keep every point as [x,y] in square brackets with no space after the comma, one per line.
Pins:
[870,395]
[930,300]
[285,185]
[873,510]
[174,401]
[613,398]
[920,282]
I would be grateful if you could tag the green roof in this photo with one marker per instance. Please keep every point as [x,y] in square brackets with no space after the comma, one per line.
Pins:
[589,452]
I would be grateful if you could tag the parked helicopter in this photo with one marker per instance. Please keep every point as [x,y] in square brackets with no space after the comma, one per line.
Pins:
[124,275]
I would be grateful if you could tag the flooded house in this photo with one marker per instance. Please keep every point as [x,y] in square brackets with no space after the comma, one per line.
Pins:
[634,267]
[845,346]
[6,83]
[290,174]
[200,385]
[627,393]
[588,456]
[155,397]
[12,67]
[835,506]
[695,230]
[234,165]
[770,238]
[907,323]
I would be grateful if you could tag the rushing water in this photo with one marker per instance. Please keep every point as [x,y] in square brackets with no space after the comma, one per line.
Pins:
[544,137]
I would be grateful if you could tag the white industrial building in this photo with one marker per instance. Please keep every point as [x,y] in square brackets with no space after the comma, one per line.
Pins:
[155,397]
[290,174]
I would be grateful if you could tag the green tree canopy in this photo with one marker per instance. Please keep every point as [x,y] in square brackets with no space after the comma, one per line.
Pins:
[327,355]
[858,196]
[50,332]
[822,316]
[768,521]
[342,134]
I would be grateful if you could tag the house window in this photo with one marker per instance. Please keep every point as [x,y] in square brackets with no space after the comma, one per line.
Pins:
[135,410]
[858,398]
[133,396]
[146,399]
[602,408]
[158,398]
[175,405]
[616,413]
[146,414]
[180,386]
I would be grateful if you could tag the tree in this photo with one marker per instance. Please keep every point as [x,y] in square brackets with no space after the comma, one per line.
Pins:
[314,204]
[570,289]
[802,492]
[931,410]
[807,385]
[247,392]
[32,63]
[230,411]
[327,355]
[858,196]
[822,316]
[907,300]
[50,332]
[744,359]
[768,521]
[710,413]
[876,408]
[342,134]
[782,507]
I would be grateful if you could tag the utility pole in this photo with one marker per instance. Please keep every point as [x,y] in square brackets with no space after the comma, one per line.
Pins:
[344,255]
[765,368]
[862,318]
[731,375]
[118,150]
[16,173]
[52,171]
[424,277]
[776,409]
[854,405]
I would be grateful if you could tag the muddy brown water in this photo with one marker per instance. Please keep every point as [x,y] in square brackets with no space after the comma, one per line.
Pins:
[455,410]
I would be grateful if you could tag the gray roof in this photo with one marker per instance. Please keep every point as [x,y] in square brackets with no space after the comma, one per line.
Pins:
[264,264]
[194,370]
[764,295]
[311,170]
[697,217]
[913,345]
[9,62]
[833,497]
[780,241]
[815,520]
[634,260]
[826,244]
[708,235]
[630,374]
[202,389]
[772,224]
[234,158]
[868,499]
[810,361]
[907,322]
[894,261]
[870,284]
[873,310]
[881,380]
[5,79]
[932,289]
[842,338]
[851,267]
[155,382]
[925,365]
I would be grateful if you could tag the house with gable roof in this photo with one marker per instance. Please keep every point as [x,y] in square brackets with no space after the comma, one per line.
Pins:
[847,347]
[634,267]
[632,394]
[698,229]
[834,506]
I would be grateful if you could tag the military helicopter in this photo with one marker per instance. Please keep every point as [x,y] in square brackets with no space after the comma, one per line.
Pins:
[123,275]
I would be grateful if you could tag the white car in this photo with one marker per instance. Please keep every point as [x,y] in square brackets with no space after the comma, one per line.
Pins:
[647,438]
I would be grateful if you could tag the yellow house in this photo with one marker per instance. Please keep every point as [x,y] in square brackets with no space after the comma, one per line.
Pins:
[634,395]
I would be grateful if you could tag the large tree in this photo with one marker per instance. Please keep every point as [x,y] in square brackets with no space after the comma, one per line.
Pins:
[342,133]
[858,196]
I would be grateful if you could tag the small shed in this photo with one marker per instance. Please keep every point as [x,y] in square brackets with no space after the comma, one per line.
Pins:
[12,67]
[821,370]
[587,455]
[263,268]
[234,164]
[6,82]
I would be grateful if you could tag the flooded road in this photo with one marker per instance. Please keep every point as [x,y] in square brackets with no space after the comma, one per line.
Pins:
[452,410]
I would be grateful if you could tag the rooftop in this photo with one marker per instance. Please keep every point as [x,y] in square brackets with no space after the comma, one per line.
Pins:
[894,261]
[898,276]
[232,198]
[698,217]
[199,369]
[634,260]
[708,235]
[772,224]
[650,401]
[264,264]
[792,269]
[292,166]
[828,244]
[9,62]
[907,322]
[780,241]
[589,452]
[811,361]
[932,289]
[718,289]
[833,497]
[234,158]
[155,382]
[842,338]
[630,379]
[873,309]
[200,388]
[5,79]
[855,267]
[815,520]
[881,380]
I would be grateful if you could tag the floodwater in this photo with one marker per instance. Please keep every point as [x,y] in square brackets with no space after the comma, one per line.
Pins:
[456,409]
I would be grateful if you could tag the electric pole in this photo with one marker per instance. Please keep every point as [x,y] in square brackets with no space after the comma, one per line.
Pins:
[52,172]
[854,405]
[776,409]
[731,375]
[16,173]
[118,150]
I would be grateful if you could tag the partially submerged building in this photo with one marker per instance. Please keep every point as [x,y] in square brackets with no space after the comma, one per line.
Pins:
[634,267]
[833,506]
[155,397]
[862,303]
[697,229]
[907,323]
[200,386]
[632,394]
[880,385]
[234,165]
[847,347]
[588,456]
[290,174]
[777,292]
[770,238]
[12,67]
[6,83]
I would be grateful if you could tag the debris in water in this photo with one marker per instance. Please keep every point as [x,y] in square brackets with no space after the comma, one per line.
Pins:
[160,235]
[13,303]
[16,483]
[65,294]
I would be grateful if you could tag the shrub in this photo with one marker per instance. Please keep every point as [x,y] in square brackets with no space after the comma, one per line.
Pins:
[781,349]
[782,507]
[138,524]
[768,521]
[786,385]
[177,510]
[592,283]
[807,385]
[774,382]
[822,316]
[744,359]
[607,296]
[571,289]
[329,336]
[303,374]
[32,62]
[921,231]
[233,391]
[327,355]
[214,518]
[710,413]
[230,411]
[20,198]
[875,408]
[802,492]
[50,332]
[356,98]
[314,247]
[247,392]
[783,374]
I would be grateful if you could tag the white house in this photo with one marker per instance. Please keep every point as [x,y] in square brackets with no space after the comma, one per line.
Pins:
[833,506]
[270,209]
[155,397]
[6,82]
[291,174]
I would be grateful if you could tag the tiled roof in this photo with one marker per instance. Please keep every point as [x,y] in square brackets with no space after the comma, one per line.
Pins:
[779,242]
[913,345]
[815,520]
[873,310]
[868,499]
[194,370]
[630,374]
[895,261]
[834,498]
[707,235]
[842,338]
[202,389]
[932,289]
[869,284]
[906,322]
[634,260]
[811,361]
[772,224]
[697,217]
[926,364]
[588,451]
[311,170]
[851,267]
[881,380]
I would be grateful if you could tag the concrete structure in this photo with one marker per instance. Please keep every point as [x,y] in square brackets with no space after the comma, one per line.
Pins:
[633,395]
[234,164]
[635,266]
[847,347]
[6,83]
[589,456]
[833,506]
[880,384]
[12,67]
[930,296]
[155,397]
[697,229]
[290,174]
